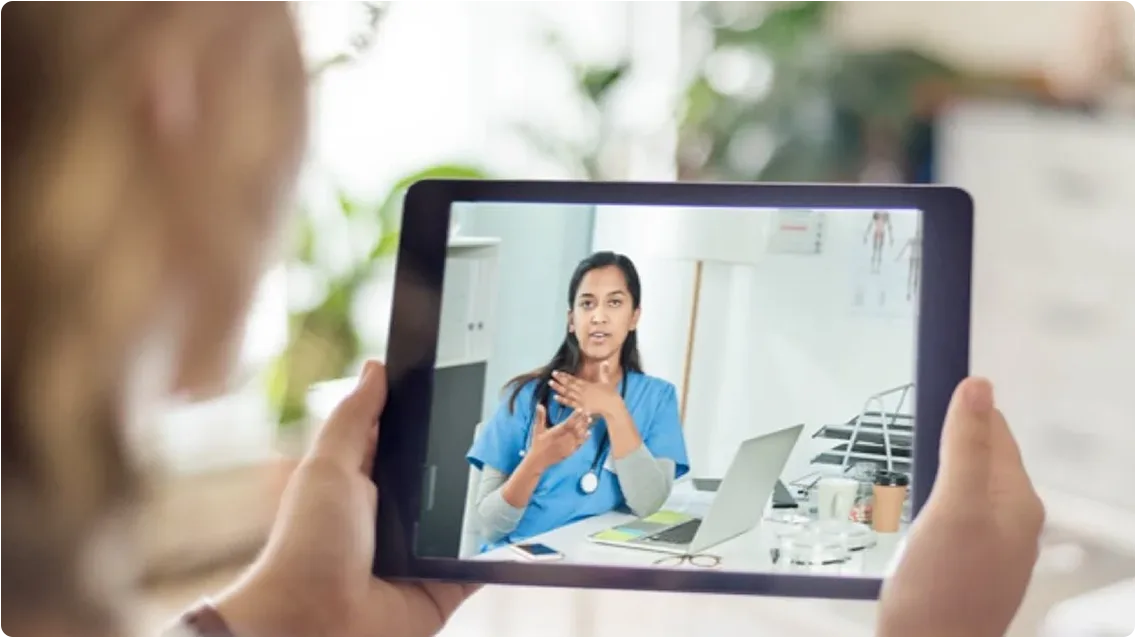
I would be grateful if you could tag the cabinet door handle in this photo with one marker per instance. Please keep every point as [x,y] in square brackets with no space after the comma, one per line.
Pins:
[470,327]
[480,325]
[431,481]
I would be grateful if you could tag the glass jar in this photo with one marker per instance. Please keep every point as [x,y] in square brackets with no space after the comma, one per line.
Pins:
[864,474]
[812,546]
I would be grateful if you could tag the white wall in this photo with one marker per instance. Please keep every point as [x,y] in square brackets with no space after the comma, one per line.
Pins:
[778,342]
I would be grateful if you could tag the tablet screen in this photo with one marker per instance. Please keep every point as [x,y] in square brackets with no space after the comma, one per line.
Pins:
[653,387]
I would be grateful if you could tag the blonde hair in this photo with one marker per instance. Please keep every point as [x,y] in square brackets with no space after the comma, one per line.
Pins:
[107,215]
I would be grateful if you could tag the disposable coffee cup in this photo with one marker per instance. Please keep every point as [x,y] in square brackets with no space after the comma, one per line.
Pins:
[888,494]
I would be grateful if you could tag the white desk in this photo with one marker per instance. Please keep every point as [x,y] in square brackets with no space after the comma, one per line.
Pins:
[749,552]
[1104,612]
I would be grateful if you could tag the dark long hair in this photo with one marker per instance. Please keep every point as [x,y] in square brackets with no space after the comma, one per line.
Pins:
[568,357]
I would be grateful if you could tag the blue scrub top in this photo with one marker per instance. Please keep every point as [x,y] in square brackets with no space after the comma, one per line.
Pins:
[558,500]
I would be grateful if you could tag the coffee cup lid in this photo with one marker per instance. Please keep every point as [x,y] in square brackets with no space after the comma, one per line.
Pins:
[889,478]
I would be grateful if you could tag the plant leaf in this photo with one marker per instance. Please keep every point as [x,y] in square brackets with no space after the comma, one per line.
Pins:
[597,82]
[390,211]
[349,207]
[387,246]
[304,237]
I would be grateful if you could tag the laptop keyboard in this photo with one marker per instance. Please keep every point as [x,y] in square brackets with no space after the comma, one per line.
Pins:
[680,534]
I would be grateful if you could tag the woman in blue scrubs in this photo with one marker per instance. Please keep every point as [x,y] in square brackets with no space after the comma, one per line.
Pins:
[586,433]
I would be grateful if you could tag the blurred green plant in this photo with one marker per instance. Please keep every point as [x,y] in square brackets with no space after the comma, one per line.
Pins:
[776,99]
[323,340]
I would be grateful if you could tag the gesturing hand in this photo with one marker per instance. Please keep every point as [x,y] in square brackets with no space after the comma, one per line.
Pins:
[971,551]
[554,444]
[594,398]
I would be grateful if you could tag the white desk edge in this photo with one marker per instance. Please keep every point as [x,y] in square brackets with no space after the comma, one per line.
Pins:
[1090,520]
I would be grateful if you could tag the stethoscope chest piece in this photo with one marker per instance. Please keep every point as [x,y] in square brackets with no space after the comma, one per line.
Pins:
[589,482]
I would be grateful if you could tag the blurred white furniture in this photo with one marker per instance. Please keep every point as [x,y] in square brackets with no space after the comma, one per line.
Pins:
[192,522]
[1063,41]
[1053,296]
[211,499]
[1105,612]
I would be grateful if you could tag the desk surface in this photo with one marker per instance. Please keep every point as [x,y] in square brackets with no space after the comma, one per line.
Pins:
[751,551]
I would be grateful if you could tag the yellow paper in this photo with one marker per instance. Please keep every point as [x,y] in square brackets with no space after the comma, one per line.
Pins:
[667,517]
[616,535]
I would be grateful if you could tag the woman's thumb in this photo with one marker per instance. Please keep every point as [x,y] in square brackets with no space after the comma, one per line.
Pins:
[541,419]
[965,453]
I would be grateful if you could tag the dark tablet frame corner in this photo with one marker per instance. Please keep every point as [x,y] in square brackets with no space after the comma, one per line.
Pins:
[942,361]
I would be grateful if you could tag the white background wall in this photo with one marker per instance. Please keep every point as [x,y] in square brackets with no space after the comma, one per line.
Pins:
[778,340]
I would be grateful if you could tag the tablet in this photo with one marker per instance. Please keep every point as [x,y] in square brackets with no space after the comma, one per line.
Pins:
[566,357]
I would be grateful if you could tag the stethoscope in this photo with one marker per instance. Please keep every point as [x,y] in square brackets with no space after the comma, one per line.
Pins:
[590,481]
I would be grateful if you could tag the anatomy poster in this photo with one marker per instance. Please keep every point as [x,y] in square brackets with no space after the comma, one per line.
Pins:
[885,263]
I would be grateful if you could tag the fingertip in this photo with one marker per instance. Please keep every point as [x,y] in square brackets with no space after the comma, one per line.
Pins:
[372,383]
[977,395]
[371,367]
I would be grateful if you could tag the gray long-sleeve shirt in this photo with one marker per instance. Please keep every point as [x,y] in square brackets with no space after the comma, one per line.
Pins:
[644,480]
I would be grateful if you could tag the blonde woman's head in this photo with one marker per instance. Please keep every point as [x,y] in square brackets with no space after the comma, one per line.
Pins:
[148,151]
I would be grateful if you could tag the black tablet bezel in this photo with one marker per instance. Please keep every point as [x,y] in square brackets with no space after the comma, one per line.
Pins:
[942,361]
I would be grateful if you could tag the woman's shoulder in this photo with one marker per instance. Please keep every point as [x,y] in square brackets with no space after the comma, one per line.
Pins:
[517,395]
[653,384]
[524,388]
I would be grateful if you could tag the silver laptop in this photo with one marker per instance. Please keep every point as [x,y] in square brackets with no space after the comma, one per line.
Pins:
[737,507]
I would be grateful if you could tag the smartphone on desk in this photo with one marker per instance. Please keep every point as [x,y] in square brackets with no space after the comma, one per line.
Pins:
[537,551]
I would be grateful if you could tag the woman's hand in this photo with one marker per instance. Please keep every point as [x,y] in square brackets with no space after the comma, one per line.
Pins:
[552,445]
[971,551]
[593,398]
[313,577]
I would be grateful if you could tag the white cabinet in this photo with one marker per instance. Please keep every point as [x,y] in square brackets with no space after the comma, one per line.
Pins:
[1053,286]
[469,295]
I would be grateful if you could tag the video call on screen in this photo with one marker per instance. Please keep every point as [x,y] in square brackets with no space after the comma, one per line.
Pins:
[674,388]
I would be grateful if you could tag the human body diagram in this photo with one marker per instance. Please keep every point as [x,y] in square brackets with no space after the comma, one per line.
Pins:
[879,229]
[914,249]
